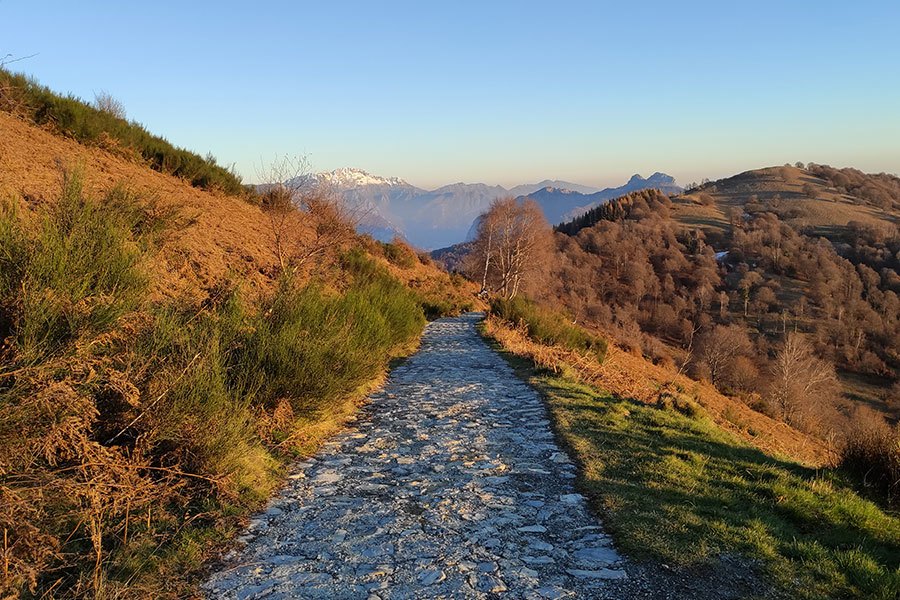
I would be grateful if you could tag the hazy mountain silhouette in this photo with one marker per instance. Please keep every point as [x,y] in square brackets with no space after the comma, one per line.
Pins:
[390,206]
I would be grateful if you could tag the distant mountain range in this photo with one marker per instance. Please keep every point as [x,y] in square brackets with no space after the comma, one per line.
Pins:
[390,206]
[562,204]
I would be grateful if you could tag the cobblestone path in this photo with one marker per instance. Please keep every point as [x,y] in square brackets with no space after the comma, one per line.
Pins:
[448,485]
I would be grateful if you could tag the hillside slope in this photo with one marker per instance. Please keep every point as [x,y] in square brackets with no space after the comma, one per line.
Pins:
[159,366]
[805,199]
[758,281]
[222,233]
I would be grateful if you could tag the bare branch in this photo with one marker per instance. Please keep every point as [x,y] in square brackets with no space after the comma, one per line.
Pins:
[8,59]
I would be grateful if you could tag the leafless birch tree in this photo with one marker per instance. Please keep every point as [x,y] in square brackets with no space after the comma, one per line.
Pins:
[799,378]
[512,239]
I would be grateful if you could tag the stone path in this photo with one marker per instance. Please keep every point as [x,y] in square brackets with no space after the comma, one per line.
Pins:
[448,485]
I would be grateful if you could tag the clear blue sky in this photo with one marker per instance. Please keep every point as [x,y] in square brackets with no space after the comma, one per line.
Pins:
[500,92]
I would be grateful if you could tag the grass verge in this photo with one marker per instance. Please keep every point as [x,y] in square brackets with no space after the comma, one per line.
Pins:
[676,488]
[547,326]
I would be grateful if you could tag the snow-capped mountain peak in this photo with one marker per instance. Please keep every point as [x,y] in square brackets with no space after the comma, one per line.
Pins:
[349,178]
[390,206]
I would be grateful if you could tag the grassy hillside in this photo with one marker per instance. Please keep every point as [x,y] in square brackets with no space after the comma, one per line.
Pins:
[675,488]
[804,198]
[92,125]
[159,367]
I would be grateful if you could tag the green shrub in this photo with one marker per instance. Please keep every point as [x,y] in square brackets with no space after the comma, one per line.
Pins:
[547,326]
[678,403]
[88,124]
[398,253]
[311,346]
[75,275]
[308,345]
[441,297]
[437,308]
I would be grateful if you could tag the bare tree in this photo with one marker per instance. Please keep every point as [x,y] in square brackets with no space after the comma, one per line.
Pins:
[747,282]
[307,218]
[799,377]
[719,347]
[512,239]
[105,101]
[484,248]
[9,59]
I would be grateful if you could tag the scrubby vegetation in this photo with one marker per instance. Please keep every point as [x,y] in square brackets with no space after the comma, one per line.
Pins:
[872,454]
[99,124]
[399,253]
[443,296]
[674,487]
[547,326]
[881,190]
[135,431]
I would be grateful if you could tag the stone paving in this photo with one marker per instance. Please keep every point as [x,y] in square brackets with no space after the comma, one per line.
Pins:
[448,485]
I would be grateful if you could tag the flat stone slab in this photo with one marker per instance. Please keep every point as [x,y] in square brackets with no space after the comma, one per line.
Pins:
[449,484]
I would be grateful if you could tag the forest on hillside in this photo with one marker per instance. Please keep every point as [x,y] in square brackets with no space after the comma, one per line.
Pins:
[770,310]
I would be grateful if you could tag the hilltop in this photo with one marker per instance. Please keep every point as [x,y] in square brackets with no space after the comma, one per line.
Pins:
[803,197]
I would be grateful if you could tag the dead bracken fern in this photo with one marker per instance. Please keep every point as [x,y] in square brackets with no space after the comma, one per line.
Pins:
[49,463]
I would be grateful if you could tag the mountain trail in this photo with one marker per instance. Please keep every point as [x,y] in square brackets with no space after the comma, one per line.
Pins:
[449,484]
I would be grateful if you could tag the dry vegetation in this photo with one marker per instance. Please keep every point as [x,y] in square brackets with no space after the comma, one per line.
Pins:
[659,459]
[628,375]
[734,285]
[162,358]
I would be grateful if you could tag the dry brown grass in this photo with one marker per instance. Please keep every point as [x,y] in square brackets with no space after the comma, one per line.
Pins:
[224,234]
[223,238]
[627,375]
[68,497]
[829,209]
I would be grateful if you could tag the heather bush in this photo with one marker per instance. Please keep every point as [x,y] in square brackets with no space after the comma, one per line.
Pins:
[399,253]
